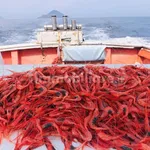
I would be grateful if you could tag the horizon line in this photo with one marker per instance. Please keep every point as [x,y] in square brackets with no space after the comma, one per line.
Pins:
[86,17]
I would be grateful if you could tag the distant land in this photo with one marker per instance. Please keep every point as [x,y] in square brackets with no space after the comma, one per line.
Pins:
[1,17]
[53,12]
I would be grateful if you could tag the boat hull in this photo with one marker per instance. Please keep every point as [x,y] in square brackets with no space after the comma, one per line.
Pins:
[114,55]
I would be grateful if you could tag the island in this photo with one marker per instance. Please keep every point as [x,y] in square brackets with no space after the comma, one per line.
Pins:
[52,13]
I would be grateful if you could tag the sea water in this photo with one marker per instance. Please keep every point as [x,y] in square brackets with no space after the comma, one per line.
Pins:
[117,30]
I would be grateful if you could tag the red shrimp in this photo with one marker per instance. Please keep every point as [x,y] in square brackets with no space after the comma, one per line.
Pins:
[93,105]
[107,137]
[48,144]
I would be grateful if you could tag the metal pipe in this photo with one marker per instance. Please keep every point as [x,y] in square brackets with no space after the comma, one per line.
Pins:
[74,25]
[115,45]
[48,27]
[65,22]
[60,27]
[54,23]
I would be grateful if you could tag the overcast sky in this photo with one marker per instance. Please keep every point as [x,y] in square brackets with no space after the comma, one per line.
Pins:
[74,8]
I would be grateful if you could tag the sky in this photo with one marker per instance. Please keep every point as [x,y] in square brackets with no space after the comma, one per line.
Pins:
[75,8]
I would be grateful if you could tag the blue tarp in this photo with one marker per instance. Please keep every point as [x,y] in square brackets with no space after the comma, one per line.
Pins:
[84,53]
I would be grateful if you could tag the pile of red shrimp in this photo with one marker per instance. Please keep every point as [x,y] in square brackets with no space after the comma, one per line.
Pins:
[96,106]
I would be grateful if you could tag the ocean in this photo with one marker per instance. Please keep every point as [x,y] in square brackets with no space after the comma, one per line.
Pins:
[118,30]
